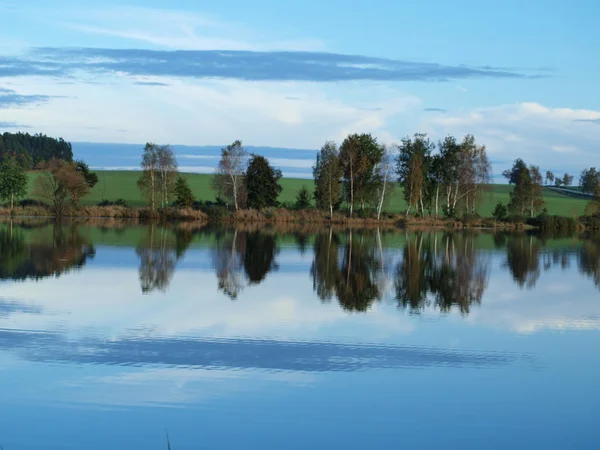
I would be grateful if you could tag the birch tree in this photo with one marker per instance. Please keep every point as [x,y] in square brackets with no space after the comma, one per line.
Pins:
[229,177]
[327,173]
[148,182]
[384,186]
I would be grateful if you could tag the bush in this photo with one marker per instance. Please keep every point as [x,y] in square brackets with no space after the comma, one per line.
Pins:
[216,212]
[30,202]
[515,219]
[367,213]
[117,202]
[500,211]
[546,222]
[469,219]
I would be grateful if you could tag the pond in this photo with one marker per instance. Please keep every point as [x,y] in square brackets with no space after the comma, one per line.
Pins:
[114,334]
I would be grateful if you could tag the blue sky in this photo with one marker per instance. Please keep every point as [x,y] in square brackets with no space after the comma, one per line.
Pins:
[521,77]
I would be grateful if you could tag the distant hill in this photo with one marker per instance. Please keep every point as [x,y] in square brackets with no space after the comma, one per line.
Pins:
[29,149]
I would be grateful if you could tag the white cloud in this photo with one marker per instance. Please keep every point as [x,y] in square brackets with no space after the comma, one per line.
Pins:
[540,135]
[203,112]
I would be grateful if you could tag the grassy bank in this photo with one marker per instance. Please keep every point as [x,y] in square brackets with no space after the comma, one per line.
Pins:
[113,185]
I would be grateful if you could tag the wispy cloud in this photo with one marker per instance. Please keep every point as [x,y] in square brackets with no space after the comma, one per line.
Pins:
[441,110]
[596,121]
[4,125]
[176,29]
[150,83]
[10,98]
[243,65]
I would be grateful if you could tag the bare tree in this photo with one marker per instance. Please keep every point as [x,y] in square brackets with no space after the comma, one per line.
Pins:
[229,177]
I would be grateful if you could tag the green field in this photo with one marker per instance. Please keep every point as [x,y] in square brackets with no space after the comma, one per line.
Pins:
[122,184]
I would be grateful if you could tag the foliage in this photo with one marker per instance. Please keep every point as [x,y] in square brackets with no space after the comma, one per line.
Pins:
[303,198]
[13,181]
[91,178]
[61,184]
[500,211]
[411,167]
[589,181]
[567,180]
[159,169]
[359,155]
[547,222]
[228,181]
[262,183]
[31,150]
[117,202]
[183,194]
[327,173]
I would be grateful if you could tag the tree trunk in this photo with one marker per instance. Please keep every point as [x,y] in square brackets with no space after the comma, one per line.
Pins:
[351,192]
[437,195]
[235,193]
[12,200]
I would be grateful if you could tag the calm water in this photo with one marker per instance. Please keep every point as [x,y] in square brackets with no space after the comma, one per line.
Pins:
[290,339]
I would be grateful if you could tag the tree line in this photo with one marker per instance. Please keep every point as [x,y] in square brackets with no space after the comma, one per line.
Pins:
[31,150]
[360,173]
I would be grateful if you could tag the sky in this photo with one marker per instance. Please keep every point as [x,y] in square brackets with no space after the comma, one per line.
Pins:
[521,77]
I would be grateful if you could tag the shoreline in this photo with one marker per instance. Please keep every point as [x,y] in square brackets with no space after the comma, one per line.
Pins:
[269,216]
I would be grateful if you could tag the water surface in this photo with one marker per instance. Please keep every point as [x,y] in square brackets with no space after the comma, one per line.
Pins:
[112,333]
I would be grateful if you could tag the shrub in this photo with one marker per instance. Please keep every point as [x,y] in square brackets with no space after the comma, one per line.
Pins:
[216,212]
[118,202]
[30,202]
[515,219]
[500,211]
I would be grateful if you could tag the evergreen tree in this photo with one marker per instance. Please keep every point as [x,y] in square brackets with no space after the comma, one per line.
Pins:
[262,183]
[183,194]
[303,198]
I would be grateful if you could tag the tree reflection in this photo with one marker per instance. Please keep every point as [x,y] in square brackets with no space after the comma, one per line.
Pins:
[589,260]
[159,250]
[41,254]
[351,274]
[357,286]
[324,269]
[445,270]
[259,256]
[523,259]
[243,257]
[227,258]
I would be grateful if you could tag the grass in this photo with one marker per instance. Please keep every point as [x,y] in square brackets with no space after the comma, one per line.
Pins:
[113,185]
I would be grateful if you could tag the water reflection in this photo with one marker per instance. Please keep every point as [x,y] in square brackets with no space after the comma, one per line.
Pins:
[159,250]
[445,270]
[44,252]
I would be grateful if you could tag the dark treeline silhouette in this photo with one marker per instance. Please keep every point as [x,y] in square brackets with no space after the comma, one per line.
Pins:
[347,268]
[30,150]
[44,254]
[243,258]
[443,270]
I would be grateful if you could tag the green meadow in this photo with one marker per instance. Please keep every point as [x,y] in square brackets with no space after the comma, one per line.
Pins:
[113,185]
